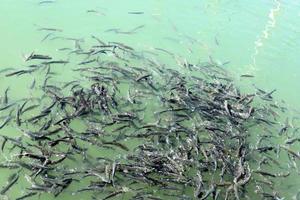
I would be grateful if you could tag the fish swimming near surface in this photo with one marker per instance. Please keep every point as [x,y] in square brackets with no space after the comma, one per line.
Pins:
[34,56]
[46,2]
[247,76]
[136,13]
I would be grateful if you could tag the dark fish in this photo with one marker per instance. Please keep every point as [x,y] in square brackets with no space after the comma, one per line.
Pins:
[9,165]
[32,84]
[5,98]
[64,49]
[16,142]
[217,41]
[292,141]
[29,108]
[33,156]
[95,11]
[3,143]
[98,40]
[120,128]
[87,62]
[56,62]
[163,50]
[13,176]
[142,77]
[37,117]
[137,28]
[265,149]
[33,56]
[47,125]
[7,119]
[293,153]
[48,109]
[122,45]
[114,143]
[269,94]
[35,66]
[20,72]
[225,63]
[92,11]
[247,76]
[136,13]
[48,35]
[69,83]
[9,185]
[112,30]
[36,136]
[46,2]
[25,196]
[18,120]
[113,194]
[50,29]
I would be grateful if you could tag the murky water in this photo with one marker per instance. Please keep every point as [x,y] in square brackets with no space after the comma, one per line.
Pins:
[259,38]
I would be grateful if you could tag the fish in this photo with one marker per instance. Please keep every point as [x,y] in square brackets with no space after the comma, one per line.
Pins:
[118,31]
[114,143]
[38,117]
[56,62]
[9,165]
[293,153]
[217,41]
[64,49]
[98,40]
[142,77]
[20,72]
[6,121]
[113,194]
[3,144]
[34,56]
[292,141]
[25,196]
[33,156]
[51,29]
[136,12]
[265,173]
[163,50]
[47,36]
[30,108]
[268,95]
[69,83]
[247,76]
[16,142]
[5,98]
[18,120]
[121,45]
[95,11]
[87,62]
[32,84]
[112,30]
[46,2]
[9,185]
[175,126]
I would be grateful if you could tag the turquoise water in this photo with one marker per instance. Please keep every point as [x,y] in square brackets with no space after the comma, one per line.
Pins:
[260,38]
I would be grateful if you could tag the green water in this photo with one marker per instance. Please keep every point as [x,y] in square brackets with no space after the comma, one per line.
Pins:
[260,38]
